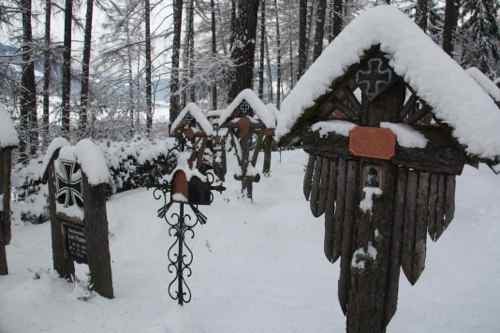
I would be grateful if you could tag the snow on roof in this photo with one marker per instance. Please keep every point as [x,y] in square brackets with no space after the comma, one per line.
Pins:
[274,110]
[255,103]
[489,86]
[86,153]
[198,115]
[8,134]
[436,78]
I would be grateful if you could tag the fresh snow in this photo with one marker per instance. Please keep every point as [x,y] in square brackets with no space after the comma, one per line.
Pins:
[92,162]
[8,134]
[366,205]
[198,115]
[489,86]
[54,145]
[340,127]
[258,267]
[261,110]
[455,97]
[407,136]
[361,255]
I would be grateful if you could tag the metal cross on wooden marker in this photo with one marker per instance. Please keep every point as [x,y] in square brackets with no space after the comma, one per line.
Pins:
[375,78]
[69,184]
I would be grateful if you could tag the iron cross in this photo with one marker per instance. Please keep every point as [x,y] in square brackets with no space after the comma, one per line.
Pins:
[69,184]
[374,78]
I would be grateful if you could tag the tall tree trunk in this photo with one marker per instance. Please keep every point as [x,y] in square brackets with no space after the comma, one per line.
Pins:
[174,75]
[450,25]
[311,13]
[422,14]
[131,102]
[66,70]
[320,29]
[213,91]
[243,52]
[29,122]
[46,75]
[190,34]
[302,38]
[338,18]
[269,71]
[278,56]
[186,54]
[149,106]
[87,44]
[262,47]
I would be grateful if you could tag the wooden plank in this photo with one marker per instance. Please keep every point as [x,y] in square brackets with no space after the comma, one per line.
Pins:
[449,205]
[323,184]
[433,197]
[421,221]
[440,208]
[308,175]
[329,244]
[351,200]
[409,224]
[316,181]
[391,298]
[340,206]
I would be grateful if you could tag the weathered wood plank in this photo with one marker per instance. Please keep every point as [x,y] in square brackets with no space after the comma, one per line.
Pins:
[449,205]
[316,181]
[433,198]
[340,206]
[391,298]
[351,200]
[437,230]
[421,221]
[323,184]
[409,224]
[330,214]
[308,176]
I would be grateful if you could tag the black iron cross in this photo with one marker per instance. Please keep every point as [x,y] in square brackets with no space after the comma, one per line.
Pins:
[374,78]
[244,109]
[69,183]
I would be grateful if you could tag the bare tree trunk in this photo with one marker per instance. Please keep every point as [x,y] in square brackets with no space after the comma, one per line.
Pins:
[320,29]
[149,106]
[243,52]
[262,47]
[269,71]
[131,103]
[190,34]
[450,25]
[174,76]
[46,75]
[28,85]
[186,54]
[213,90]
[87,45]
[66,70]
[311,11]
[278,57]
[302,38]
[422,14]
[338,18]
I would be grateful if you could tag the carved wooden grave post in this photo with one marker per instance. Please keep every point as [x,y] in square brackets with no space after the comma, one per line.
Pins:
[379,198]
[77,209]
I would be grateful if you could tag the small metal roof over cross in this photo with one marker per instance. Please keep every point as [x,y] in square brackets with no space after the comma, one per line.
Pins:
[68,183]
[374,78]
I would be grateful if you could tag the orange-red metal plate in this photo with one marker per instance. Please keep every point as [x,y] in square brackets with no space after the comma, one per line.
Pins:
[180,183]
[372,142]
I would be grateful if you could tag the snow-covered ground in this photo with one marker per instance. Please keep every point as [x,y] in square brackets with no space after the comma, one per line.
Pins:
[259,267]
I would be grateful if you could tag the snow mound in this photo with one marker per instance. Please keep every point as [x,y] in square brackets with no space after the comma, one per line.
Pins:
[407,136]
[8,134]
[455,97]
[92,161]
[198,115]
[261,110]
[340,127]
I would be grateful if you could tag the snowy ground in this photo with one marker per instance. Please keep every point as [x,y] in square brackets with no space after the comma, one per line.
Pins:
[258,268]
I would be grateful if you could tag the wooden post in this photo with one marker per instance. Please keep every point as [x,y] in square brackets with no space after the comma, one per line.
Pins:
[96,229]
[5,233]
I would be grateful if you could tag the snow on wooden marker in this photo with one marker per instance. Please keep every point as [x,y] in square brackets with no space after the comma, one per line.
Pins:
[489,86]
[260,109]
[198,115]
[340,127]
[8,134]
[407,136]
[436,78]
[92,162]
[366,205]
[361,255]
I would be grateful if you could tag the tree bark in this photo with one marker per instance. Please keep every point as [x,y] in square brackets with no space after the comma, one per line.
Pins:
[302,38]
[66,70]
[262,48]
[278,57]
[192,86]
[213,91]
[174,76]
[338,18]
[29,122]
[421,16]
[243,52]
[46,75]
[320,29]
[87,45]
[149,106]
[450,25]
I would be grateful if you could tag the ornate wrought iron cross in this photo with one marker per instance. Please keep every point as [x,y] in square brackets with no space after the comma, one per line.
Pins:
[374,78]
[69,183]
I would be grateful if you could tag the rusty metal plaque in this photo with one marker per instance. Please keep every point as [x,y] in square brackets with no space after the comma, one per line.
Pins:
[372,142]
